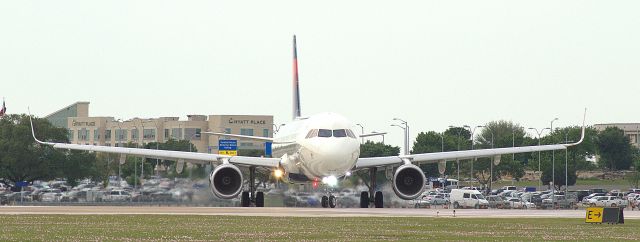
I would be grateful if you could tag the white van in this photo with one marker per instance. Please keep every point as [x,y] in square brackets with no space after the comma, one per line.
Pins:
[463,198]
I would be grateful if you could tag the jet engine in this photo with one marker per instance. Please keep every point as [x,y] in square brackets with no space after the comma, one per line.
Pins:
[226,181]
[408,182]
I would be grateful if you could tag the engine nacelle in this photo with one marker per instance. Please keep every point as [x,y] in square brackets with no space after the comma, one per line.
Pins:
[226,181]
[408,182]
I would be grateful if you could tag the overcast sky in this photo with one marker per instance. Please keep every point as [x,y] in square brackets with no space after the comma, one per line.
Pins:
[432,63]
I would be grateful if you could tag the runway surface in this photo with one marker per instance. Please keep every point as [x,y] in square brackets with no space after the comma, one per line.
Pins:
[302,212]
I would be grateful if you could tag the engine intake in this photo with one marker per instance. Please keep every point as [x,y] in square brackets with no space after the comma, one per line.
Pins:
[226,181]
[408,182]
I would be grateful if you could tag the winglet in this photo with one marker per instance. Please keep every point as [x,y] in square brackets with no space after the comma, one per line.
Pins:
[584,118]
[33,133]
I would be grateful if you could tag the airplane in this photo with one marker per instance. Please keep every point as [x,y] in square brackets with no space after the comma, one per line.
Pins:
[311,149]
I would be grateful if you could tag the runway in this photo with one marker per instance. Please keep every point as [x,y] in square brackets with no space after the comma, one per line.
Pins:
[301,212]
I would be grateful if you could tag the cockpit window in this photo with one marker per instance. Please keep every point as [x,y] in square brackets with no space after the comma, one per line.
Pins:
[324,133]
[350,134]
[339,133]
[312,133]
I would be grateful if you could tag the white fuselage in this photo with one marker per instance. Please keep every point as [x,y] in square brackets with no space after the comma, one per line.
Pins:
[319,146]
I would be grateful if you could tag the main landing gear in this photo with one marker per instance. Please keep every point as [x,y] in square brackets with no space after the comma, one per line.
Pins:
[257,198]
[329,201]
[367,197]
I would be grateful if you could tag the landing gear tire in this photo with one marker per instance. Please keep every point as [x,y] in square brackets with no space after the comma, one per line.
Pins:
[260,199]
[244,200]
[325,201]
[364,199]
[379,200]
[332,201]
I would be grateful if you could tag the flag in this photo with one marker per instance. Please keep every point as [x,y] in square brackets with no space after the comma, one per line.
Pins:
[3,110]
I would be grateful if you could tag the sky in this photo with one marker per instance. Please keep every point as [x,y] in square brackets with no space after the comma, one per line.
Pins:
[431,63]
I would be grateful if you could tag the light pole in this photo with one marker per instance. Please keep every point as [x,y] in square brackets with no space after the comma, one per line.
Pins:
[472,148]
[119,164]
[361,133]
[406,135]
[276,127]
[566,163]
[491,160]
[553,163]
[458,143]
[539,172]
[442,140]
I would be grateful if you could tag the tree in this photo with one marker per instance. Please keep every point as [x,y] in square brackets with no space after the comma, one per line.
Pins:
[500,134]
[371,149]
[576,156]
[559,175]
[22,159]
[615,149]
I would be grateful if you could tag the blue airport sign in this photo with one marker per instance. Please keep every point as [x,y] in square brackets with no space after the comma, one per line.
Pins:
[267,149]
[226,144]
[22,184]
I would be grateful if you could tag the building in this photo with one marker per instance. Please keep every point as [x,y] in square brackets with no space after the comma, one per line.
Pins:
[107,131]
[631,130]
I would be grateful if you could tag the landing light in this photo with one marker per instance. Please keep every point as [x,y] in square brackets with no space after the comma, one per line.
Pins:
[348,173]
[330,181]
[278,173]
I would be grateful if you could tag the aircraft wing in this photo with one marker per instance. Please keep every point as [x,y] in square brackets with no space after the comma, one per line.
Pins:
[456,155]
[193,157]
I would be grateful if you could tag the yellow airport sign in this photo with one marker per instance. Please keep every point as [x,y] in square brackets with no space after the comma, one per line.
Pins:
[228,152]
[594,215]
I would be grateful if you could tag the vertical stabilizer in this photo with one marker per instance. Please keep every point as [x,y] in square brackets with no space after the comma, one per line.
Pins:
[296,88]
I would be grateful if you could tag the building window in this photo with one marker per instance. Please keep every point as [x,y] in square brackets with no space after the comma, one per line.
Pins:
[227,130]
[247,132]
[107,134]
[121,134]
[96,134]
[149,133]
[265,133]
[166,134]
[176,133]
[190,133]
[246,144]
[70,135]
[83,134]
[134,134]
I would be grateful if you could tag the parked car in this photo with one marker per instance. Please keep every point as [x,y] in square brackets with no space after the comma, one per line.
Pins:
[592,195]
[560,201]
[461,198]
[117,196]
[497,202]
[515,202]
[437,199]
[608,201]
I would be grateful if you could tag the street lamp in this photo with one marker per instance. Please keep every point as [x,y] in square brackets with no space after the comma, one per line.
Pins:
[458,143]
[406,135]
[539,172]
[491,160]
[553,163]
[361,133]
[276,127]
